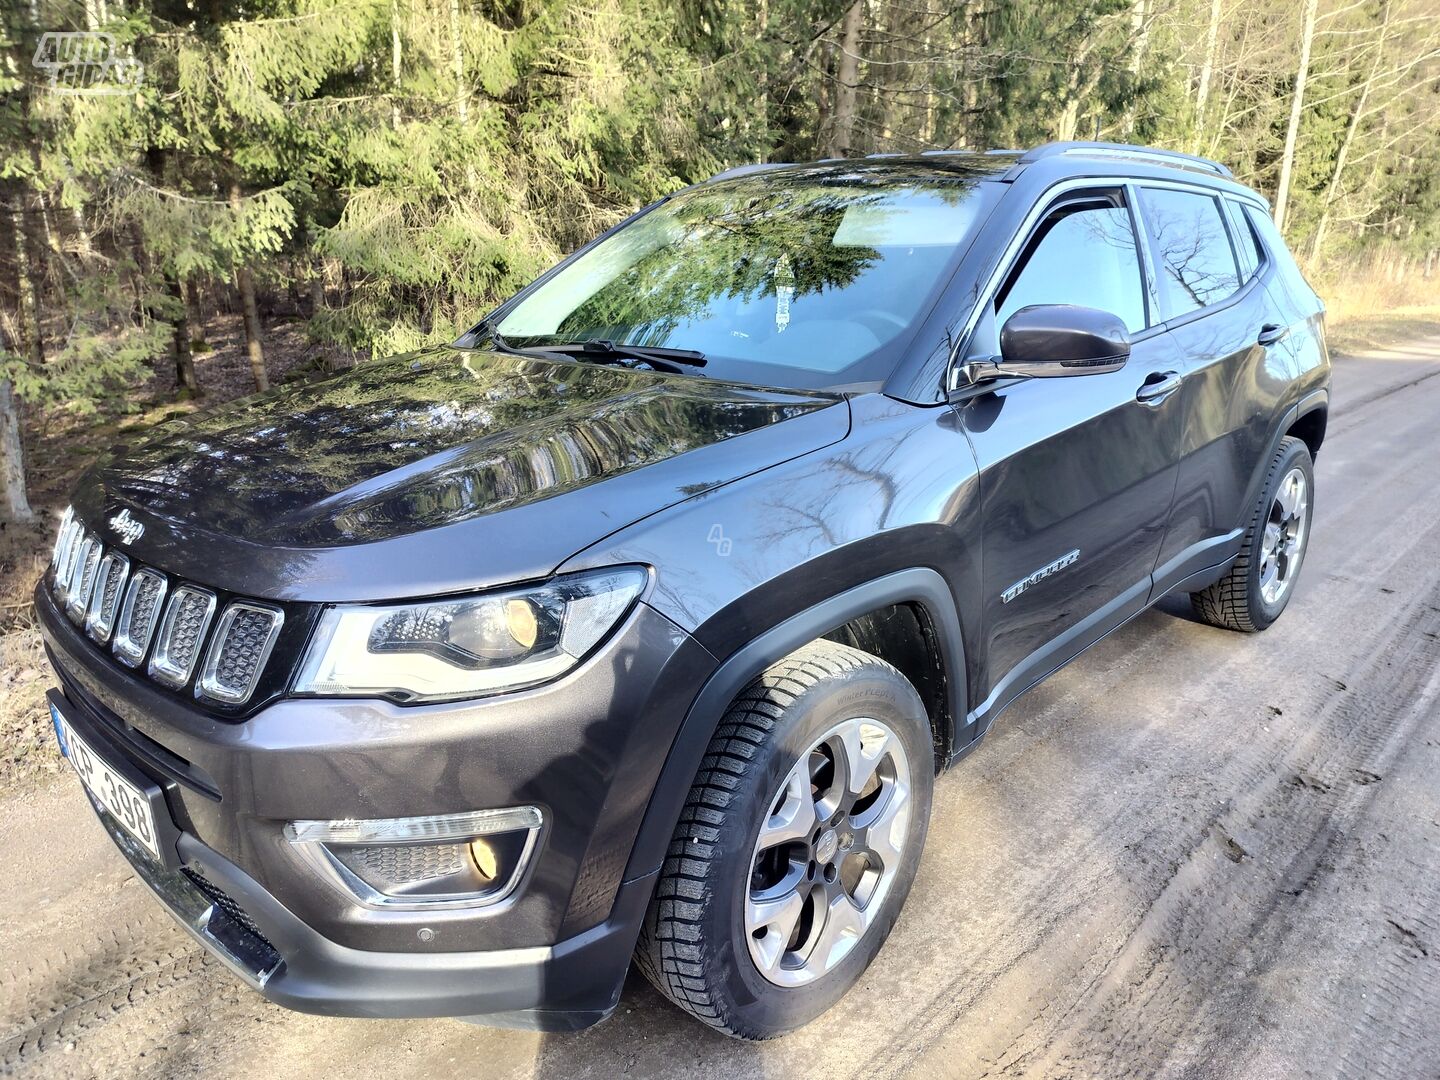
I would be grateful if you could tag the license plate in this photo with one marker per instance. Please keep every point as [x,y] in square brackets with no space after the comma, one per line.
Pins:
[121,799]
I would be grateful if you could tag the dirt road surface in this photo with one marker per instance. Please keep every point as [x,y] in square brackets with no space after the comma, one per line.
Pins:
[1192,853]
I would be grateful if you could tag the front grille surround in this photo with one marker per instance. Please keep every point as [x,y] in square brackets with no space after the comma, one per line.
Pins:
[181,635]
[207,644]
[139,615]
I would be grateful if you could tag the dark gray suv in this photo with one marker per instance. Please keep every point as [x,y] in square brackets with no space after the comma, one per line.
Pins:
[640,620]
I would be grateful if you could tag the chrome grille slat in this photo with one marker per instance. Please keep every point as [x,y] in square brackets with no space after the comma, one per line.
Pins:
[241,646]
[87,561]
[67,522]
[182,632]
[66,572]
[139,615]
[108,591]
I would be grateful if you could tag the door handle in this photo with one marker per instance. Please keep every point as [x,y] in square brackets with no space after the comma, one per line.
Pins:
[1158,386]
[1272,334]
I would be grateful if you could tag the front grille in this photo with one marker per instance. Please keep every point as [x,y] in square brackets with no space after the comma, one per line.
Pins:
[178,644]
[108,592]
[136,610]
[242,644]
[139,615]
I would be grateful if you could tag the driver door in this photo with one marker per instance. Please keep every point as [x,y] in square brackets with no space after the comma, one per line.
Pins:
[1077,473]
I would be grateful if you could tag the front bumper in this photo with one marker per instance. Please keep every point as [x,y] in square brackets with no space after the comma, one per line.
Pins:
[586,750]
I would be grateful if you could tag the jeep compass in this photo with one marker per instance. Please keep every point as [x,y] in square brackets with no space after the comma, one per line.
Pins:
[639,621]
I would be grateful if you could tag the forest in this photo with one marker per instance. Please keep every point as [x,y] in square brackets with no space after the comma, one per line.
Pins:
[202,199]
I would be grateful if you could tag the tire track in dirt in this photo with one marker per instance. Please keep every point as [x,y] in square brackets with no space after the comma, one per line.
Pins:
[1207,921]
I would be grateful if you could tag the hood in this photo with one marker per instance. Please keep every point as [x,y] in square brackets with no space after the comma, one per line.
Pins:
[436,471]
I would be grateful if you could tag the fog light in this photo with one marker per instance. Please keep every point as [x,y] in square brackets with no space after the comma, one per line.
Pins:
[456,860]
[485,859]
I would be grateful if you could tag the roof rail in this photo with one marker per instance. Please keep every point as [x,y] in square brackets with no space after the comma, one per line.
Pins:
[1127,150]
[745,170]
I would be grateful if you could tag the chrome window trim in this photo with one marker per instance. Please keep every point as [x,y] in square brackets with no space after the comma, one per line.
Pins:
[126,649]
[953,367]
[205,686]
[95,624]
[1043,205]
[161,668]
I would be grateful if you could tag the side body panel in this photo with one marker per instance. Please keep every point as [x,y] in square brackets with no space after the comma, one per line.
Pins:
[1070,465]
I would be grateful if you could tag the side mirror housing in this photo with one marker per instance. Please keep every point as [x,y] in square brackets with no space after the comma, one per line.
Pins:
[1048,340]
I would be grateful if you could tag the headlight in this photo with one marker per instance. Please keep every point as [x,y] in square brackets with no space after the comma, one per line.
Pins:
[439,650]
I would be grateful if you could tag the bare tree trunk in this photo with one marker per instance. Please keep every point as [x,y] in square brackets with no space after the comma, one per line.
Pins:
[245,283]
[12,457]
[1332,188]
[1429,263]
[847,79]
[1297,108]
[1139,38]
[1207,72]
[458,62]
[184,358]
[395,63]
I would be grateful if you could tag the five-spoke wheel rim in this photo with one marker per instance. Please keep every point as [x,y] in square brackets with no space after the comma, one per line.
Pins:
[828,851]
[1283,545]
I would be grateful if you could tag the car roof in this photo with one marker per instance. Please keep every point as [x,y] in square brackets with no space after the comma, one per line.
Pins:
[1058,159]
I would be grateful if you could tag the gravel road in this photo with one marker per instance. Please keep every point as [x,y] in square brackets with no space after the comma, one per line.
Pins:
[1191,853]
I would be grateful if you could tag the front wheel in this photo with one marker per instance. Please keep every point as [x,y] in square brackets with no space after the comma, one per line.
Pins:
[797,845]
[1255,591]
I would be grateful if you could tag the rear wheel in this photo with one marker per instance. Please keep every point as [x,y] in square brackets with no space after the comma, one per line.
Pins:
[797,845]
[1255,591]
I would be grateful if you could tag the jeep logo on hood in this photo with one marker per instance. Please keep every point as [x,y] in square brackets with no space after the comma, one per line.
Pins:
[127,527]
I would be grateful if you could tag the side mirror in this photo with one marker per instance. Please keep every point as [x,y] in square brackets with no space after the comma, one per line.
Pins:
[1046,340]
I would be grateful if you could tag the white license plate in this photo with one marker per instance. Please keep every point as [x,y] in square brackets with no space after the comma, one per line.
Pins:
[124,802]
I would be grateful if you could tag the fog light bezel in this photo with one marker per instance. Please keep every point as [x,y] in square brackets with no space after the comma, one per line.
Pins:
[309,839]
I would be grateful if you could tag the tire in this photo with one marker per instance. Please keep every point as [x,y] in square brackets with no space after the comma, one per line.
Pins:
[696,946]
[1248,598]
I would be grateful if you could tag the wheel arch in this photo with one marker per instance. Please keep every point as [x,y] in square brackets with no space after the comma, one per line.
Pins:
[918,587]
[1307,417]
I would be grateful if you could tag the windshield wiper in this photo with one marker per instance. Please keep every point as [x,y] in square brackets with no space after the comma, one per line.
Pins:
[662,359]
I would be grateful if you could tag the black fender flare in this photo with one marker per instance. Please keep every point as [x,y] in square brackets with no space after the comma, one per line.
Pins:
[1316,399]
[918,585]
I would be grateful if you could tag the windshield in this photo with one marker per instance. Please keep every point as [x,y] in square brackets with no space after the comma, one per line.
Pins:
[812,278]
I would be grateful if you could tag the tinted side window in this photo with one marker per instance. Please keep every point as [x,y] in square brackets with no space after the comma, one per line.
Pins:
[1247,244]
[1082,254]
[1196,263]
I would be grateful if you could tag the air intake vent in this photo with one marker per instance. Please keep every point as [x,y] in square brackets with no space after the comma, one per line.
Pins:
[178,645]
[138,616]
[243,640]
[105,598]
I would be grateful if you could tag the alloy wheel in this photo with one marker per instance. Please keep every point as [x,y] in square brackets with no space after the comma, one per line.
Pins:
[1283,545]
[828,851]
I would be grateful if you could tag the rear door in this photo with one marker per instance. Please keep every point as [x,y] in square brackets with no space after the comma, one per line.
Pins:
[1236,362]
[1077,473]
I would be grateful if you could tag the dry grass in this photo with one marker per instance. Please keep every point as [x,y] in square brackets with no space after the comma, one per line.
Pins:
[26,744]
[1368,308]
